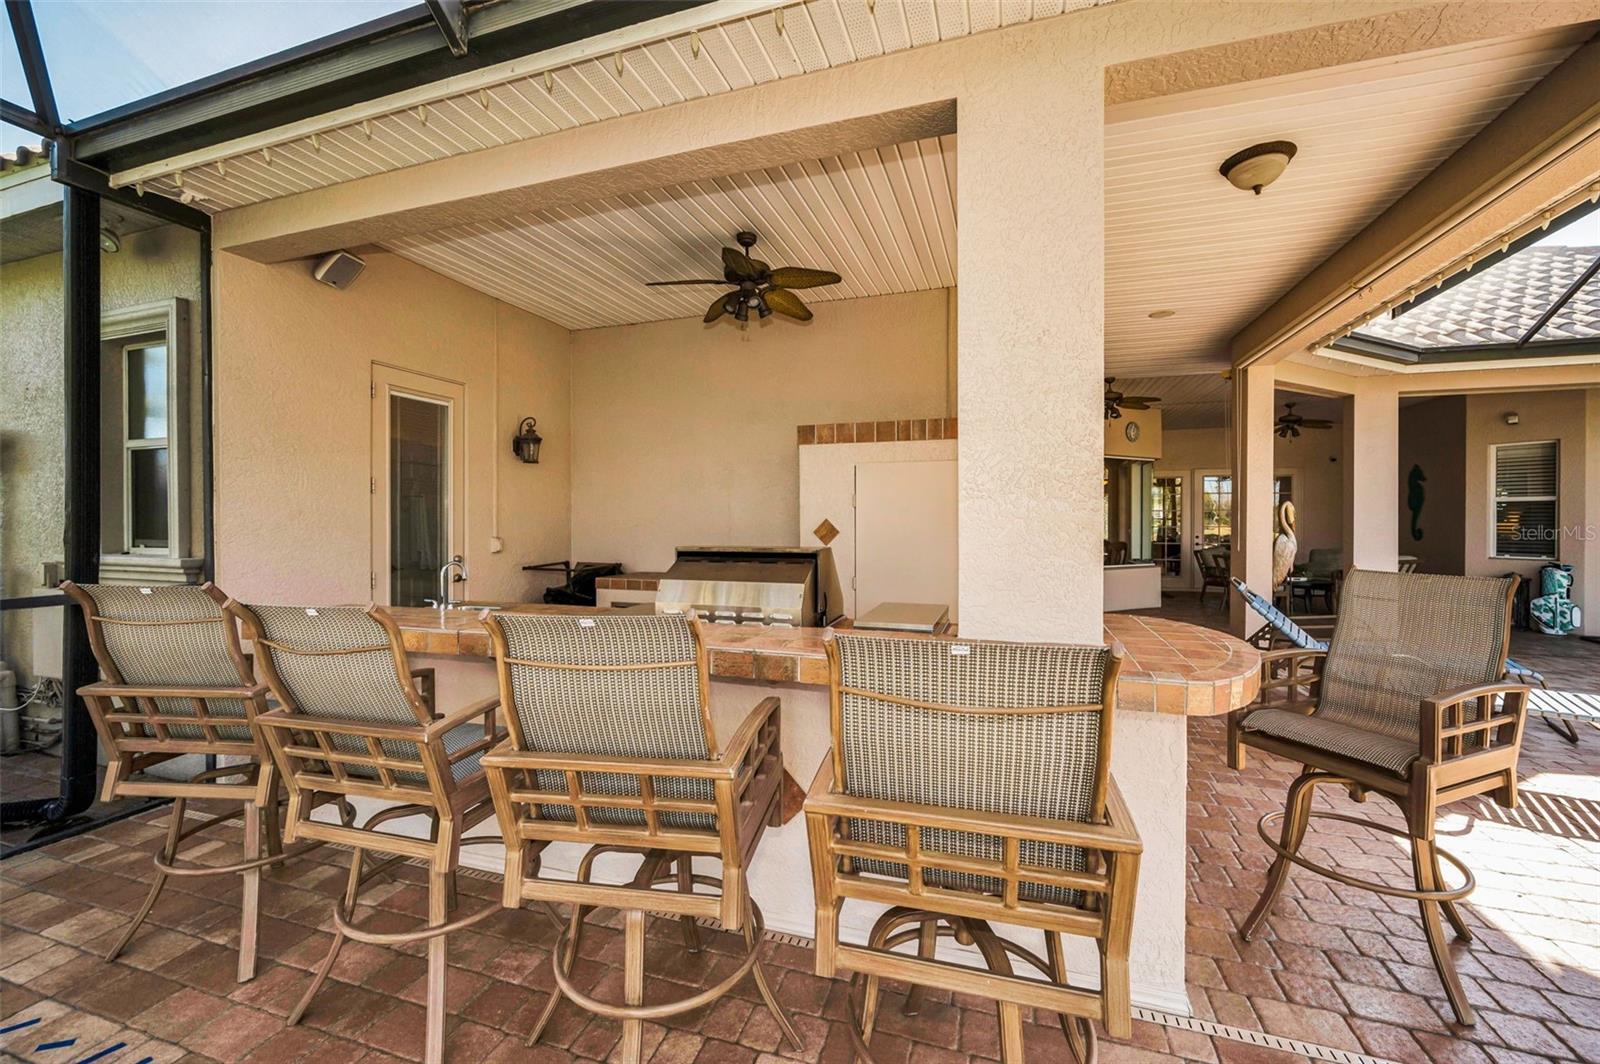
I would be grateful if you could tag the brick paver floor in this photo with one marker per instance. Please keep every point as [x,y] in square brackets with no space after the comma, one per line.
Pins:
[1335,966]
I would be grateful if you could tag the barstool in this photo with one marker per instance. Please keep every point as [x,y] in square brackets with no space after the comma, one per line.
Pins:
[612,748]
[352,722]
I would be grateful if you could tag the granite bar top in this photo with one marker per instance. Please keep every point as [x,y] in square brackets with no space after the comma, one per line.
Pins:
[1169,667]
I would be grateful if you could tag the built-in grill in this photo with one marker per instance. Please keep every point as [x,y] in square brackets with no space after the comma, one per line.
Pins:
[790,587]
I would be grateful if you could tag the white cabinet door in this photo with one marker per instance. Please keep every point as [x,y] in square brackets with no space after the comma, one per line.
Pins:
[906,533]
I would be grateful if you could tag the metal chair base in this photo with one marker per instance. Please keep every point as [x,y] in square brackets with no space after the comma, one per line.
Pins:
[1430,892]
[894,928]
[634,1013]
[167,864]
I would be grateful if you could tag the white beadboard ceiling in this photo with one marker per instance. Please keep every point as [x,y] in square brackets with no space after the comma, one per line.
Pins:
[527,99]
[1180,238]
[883,219]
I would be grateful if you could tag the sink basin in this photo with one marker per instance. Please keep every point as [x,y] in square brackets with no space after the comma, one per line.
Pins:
[476,607]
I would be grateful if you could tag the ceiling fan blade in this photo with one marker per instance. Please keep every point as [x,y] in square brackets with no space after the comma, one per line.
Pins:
[1141,399]
[716,310]
[785,302]
[738,264]
[1133,404]
[1315,423]
[802,277]
[761,268]
[706,280]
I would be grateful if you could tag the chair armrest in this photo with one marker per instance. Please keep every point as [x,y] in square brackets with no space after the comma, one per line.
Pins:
[124,690]
[287,721]
[502,757]
[743,739]
[484,707]
[1446,733]
[1284,672]
[1117,834]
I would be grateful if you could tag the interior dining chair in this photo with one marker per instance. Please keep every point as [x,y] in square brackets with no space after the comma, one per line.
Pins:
[969,784]
[1408,701]
[612,748]
[178,684]
[355,721]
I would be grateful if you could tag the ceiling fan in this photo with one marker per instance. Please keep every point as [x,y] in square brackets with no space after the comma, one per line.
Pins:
[759,287]
[1289,423]
[1116,402]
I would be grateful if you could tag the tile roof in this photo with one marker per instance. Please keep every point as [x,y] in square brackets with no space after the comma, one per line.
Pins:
[1501,304]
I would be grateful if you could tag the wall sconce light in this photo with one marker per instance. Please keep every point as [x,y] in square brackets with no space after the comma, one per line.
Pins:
[1513,419]
[525,444]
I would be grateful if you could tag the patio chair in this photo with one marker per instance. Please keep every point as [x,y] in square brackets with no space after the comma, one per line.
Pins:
[612,748]
[1212,565]
[1409,702]
[355,722]
[177,683]
[969,783]
[1324,572]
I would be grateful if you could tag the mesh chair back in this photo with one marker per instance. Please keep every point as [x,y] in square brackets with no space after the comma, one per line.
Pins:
[333,661]
[171,637]
[623,685]
[1403,637]
[923,721]
[1323,561]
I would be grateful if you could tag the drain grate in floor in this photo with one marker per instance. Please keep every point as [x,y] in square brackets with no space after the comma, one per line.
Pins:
[1256,1038]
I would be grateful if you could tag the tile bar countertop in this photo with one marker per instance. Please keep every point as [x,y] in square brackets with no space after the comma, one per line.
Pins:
[1169,667]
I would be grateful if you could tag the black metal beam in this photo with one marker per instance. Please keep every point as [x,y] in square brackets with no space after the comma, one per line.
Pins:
[34,69]
[324,79]
[74,174]
[1555,308]
[451,15]
[19,115]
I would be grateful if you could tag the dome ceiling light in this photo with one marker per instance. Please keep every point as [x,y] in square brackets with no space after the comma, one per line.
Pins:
[1259,165]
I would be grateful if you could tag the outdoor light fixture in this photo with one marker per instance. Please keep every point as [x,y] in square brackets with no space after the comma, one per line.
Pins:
[525,444]
[1258,165]
[109,242]
[1513,419]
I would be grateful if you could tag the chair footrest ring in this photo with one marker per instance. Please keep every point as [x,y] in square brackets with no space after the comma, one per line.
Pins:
[1412,894]
[396,938]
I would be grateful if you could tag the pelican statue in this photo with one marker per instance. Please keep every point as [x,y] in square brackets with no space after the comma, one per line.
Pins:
[1283,546]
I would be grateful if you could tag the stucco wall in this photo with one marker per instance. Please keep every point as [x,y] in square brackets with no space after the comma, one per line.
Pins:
[154,265]
[684,433]
[293,367]
[1433,437]
[1556,415]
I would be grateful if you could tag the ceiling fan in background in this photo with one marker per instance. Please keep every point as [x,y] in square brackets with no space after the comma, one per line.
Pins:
[759,287]
[1289,423]
[1116,402]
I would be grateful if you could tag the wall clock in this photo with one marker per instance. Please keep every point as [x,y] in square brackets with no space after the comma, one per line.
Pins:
[1131,431]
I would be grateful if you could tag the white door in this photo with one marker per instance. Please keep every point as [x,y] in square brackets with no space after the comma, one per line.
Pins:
[906,542]
[418,478]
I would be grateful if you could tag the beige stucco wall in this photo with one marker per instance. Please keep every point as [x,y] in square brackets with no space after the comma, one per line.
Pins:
[684,433]
[293,367]
[1557,415]
[154,265]
[1433,437]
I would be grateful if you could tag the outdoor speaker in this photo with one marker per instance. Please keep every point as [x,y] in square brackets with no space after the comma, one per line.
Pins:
[339,269]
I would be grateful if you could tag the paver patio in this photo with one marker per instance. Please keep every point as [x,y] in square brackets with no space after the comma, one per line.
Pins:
[1336,967]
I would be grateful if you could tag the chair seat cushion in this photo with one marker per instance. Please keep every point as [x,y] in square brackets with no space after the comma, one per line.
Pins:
[1358,744]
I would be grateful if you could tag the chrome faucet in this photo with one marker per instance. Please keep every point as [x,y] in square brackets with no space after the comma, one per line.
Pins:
[444,582]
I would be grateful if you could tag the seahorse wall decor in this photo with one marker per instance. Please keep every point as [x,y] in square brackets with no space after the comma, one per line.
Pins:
[1415,497]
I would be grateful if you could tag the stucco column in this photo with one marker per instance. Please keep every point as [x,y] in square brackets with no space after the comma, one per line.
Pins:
[1253,525]
[1031,364]
[1372,476]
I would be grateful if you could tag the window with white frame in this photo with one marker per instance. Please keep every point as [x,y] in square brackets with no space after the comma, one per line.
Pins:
[1526,499]
[146,450]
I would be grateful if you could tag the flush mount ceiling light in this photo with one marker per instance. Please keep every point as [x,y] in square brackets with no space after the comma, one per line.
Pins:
[1258,165]
[109,242]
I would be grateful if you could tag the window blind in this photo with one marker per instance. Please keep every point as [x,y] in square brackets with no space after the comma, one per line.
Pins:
[1527,501]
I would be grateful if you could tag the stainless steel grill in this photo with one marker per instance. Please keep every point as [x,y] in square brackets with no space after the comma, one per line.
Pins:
[787,587]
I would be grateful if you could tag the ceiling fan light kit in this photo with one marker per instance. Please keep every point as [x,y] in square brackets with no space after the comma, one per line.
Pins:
[1259,165]
[757,286]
